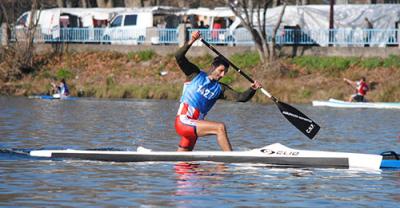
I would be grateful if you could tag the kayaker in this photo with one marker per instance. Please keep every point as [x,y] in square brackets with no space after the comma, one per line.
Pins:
[200,92]
[62,88]
[361,89]
[54,88]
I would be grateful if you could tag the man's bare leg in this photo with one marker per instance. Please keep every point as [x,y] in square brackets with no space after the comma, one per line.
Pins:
[204,128]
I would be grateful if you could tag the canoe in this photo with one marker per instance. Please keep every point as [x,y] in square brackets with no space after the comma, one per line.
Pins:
[52,97]
[273,155]
[344,104]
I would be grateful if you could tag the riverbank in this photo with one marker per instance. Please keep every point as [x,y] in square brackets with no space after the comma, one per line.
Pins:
[145,74]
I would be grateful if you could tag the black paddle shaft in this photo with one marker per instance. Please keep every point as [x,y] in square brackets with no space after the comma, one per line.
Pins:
[235,67]
[227,60]
[294,116]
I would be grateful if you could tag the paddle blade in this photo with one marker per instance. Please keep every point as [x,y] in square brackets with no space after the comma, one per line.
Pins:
[299,120]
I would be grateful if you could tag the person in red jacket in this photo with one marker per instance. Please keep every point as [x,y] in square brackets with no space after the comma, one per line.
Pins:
[361,90]
[216,30]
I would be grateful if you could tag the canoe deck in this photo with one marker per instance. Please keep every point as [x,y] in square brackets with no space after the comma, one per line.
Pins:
[274,155]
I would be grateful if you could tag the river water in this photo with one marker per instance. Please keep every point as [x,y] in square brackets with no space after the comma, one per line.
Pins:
[126,124]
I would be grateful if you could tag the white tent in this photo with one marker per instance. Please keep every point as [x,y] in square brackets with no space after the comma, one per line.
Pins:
[349,19]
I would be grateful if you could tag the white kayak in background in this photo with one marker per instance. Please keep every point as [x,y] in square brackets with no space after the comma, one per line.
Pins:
[274,155]
[344,104]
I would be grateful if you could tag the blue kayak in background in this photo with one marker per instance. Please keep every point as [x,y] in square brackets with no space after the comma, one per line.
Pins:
[52,97]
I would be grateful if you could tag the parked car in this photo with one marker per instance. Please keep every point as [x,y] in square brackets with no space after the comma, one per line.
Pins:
[128,28]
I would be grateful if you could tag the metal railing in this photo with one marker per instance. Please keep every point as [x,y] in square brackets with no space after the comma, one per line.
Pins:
[336,37]
[240,36]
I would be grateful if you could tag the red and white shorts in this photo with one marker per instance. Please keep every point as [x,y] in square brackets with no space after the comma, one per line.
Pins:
[185,125]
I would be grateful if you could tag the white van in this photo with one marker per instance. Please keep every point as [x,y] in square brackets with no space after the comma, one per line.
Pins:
[82,20]
[128,28]
[131,27]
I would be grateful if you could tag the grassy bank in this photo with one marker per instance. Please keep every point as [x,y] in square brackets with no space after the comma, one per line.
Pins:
[147,75]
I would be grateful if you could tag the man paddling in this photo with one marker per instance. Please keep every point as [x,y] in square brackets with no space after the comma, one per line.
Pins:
[200,92]
[361,89]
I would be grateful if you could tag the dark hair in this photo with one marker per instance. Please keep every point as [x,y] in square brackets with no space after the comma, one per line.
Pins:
[220,60]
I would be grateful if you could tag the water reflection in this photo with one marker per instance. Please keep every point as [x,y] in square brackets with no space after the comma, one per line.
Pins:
[194,178]
[126,124]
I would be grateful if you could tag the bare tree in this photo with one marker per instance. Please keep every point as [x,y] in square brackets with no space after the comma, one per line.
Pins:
[19,56]
[276,3]
[60,3]
[134,3]
[253,14]
[105,3]
[84,3]
[3,13]
[67,3]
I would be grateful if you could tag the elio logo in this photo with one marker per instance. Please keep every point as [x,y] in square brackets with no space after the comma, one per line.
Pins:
[279,152]
[268,151]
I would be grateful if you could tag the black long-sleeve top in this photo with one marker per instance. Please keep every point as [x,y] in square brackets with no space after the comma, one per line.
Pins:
[192,71]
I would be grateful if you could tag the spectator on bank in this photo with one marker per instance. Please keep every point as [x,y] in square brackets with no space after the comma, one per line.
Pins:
[202,26]
[368,32]
[297,34]
[216,27]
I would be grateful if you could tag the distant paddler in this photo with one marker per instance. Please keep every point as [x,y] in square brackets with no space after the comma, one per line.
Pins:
[361,88]
[60,90]
[200,92]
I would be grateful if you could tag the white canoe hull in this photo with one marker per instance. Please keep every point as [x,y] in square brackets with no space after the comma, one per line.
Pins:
[343,104]
[275,155]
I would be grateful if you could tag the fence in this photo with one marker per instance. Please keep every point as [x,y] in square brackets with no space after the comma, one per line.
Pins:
[337,37]
[240,36]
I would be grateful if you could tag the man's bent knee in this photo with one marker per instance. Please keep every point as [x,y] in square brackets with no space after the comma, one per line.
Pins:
[221,128]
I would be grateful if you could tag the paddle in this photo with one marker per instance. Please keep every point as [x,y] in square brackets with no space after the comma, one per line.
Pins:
[297,118]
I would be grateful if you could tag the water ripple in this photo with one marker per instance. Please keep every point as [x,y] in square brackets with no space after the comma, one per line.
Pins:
[127,124]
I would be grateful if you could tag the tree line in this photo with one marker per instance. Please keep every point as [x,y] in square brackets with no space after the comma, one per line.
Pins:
[19,55]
